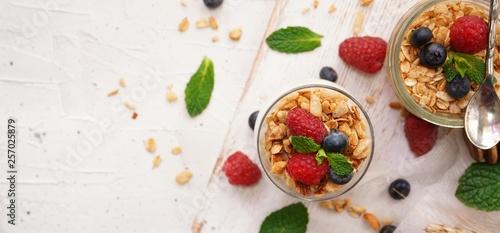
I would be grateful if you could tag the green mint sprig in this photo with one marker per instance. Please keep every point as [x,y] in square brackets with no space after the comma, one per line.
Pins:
[337,161]
[292,218]
[465,65]
[294,40]
[199,88]
[479,187]
[304,144]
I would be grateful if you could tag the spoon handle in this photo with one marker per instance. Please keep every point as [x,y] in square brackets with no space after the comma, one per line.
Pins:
[491,40]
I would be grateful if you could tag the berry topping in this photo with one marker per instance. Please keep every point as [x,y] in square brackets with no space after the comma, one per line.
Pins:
[399,189]
[240,170]
[420,36]
[433,55]
[388,229]
[305,168]
[335,141]
[338,179]
[328,73]
[421,135]
[212,3]
[302,123]
[365,53]
[469,34]
[458,87]
[252,119]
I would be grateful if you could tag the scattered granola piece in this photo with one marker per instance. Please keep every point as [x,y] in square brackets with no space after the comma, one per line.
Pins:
[171,96]
[130,105]
[202,23]
[197,226]
[215,39]
[184,3]
[123,83]
[134,115]
[316,3]
[395,105]
[341,204]
[358,22]
[337,204]
[183,177]
[156,161]
[366,2]
[332,8]
[184,24]
[176,150]
[170,86]
[387,221]
[213,23]
[235,34]
[433,228]
[372,220]
[305,10]
[356,211]
[328,204]
[370,99]
[112,93]
[151,145]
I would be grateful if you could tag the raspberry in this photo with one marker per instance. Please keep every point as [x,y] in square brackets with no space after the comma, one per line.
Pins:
[469,34]
[240,170]
[365,53]
[302,123]
[305,168]
[421,135]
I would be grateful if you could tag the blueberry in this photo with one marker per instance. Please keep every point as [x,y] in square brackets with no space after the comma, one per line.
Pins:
[212,3]
[328,73]
[387,229]
[252,119]
[399,189]
[458,87]
[335,141]
[338,179]
[420,36]
[433,55]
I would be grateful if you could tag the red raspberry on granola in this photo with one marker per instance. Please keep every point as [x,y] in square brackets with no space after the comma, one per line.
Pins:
[305,168]
[302,123]
[469,34]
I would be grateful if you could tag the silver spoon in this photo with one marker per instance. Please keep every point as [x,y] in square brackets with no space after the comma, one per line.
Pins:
[482,117]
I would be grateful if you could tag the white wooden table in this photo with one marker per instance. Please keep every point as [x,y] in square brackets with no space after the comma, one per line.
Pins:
[82,163]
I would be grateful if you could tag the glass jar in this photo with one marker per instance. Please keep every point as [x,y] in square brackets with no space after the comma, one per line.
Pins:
[275,104]
[395,57]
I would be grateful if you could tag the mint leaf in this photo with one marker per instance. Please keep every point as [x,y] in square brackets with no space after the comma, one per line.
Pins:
[464,64]
[340,165]
[320,156]
[449,70]
[294,40]
[290,219]
[199,88]
[304,144]
[479,187]
[338,162]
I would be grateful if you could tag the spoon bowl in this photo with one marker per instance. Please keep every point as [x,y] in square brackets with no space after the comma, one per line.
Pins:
[482,117]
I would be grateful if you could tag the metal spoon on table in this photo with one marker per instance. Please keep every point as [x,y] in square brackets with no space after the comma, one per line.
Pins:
[482,117]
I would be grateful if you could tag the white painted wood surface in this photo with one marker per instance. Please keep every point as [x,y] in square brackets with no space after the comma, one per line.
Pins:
[60,58]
